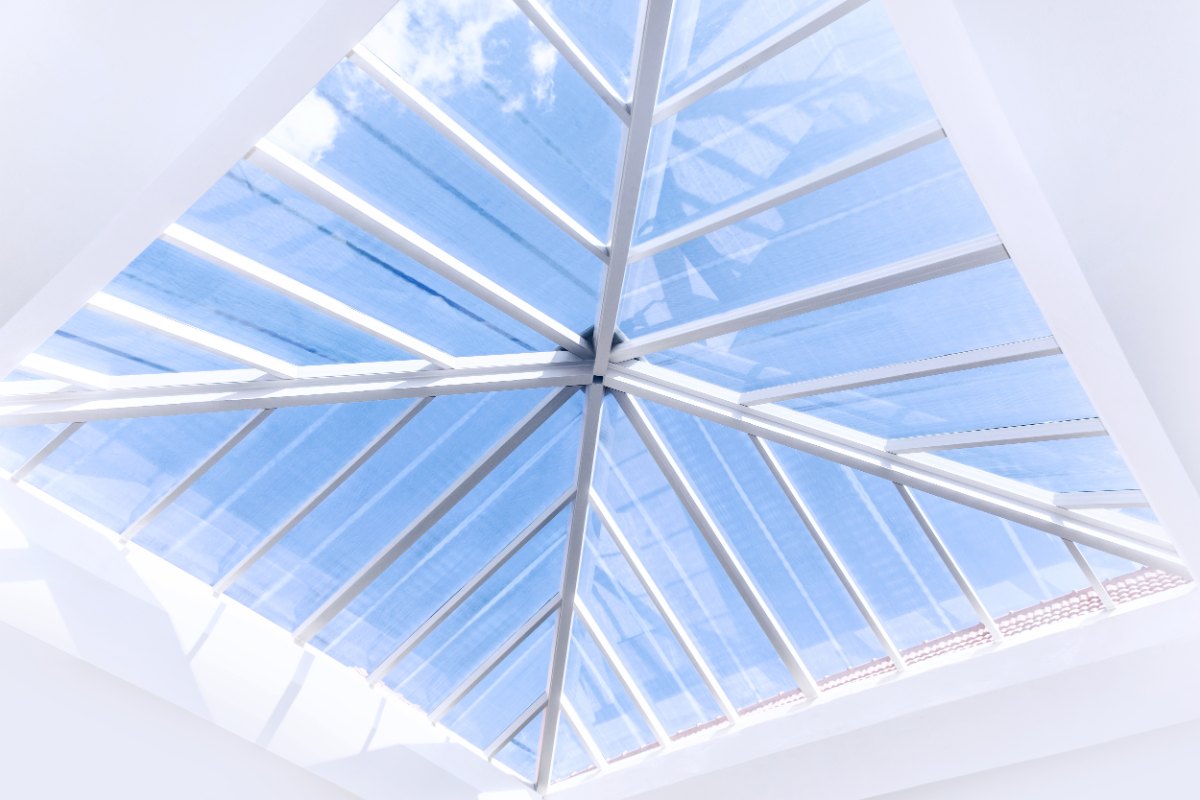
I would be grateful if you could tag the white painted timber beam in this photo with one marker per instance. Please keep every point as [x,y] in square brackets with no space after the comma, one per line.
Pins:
[651,46]
[450,128]
[354,209]
[1016,434]
[908,370]
[936,264]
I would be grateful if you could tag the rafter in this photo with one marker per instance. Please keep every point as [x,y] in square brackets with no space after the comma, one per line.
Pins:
[515,727]
[44,452]
[1092,578]
[1016,434]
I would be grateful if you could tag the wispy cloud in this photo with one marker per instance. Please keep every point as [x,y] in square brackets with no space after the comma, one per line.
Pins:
[309,129]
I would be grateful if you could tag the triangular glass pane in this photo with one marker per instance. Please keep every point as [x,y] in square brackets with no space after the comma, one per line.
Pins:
[1109,566]
[507,690]
[1012,567]
[570,757]
[884,549]
[602,703]
[531,479]
[254,214]
[467,637]
[677,557]
[494,72]
[376,148]
[20,443]
[909,206]
[604,31]
[262,482]
[371,508]
[846,88]
[1090,464]
[114,470]
[626,615]
[109,345]
[981,307]
[770,538]
[521,754]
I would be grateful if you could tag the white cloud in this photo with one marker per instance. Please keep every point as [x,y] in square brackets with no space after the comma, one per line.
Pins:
[543,58]
[309,129]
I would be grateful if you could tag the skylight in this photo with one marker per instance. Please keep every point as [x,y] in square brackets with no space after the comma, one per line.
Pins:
[594,374]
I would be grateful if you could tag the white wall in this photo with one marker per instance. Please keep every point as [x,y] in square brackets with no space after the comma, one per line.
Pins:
[68,729]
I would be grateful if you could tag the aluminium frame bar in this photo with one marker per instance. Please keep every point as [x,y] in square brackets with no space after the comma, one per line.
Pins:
[650,49]
[1088,572]
[659,600]
[31,463]
[719,545]
[465,592]
[64,371]
[986,437]
[952,565]
[927,473]
[230,260]
[830,553]
[398,546]
[506,648]
[357,211]
[939,263]
[841,169]
[516,726]
[777,43]
[454,132]
[995,355]
[1118,498]
[589,441]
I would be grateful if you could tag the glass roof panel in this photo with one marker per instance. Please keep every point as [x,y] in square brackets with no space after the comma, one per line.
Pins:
[765,530]
[883,547]
[254,214]
[115,470]
[1090,464]
[570,758]
[103,343]
[177,284]
[520,755]
[604,30]
[459,545]
[602,703]
[626,615]
[705,34]
[1012,567]
[20,443]
[844,89]
[373,506]
[909,206]
[507,690]
[19,375]
[981,307]
[1017,393]
[384,153]
[1108,566]
[262,482]
[678,558]
[495,73]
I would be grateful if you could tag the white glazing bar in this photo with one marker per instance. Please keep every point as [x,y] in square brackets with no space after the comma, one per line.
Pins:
[196,474]
[659,600]
[572,562]
[36,387]
[622,672]
[719,545]
[1120,498]
[354,209]
[493,660]
[926,472]
[843,168]
[1092,578]
[430,516]
[828,551]
[232,261]
[647,71]
[448,127]
[585,735]
[770,47]
[571,52]
[469,588]
[951,563]
[908,370]
[1016,434]
[939,263]
[48,448]
[284,394]
[330,486]
[61,370]
[218,345]
[515,727]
